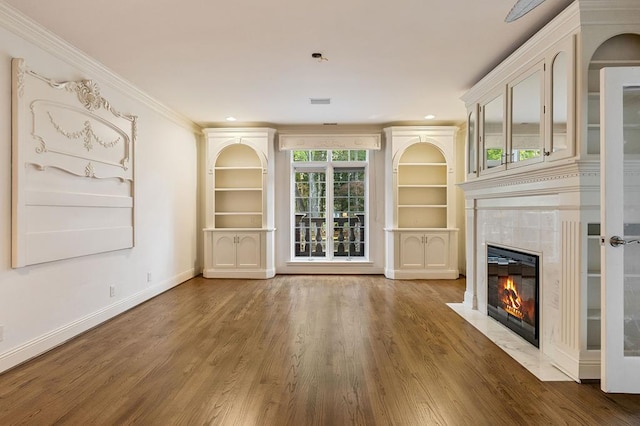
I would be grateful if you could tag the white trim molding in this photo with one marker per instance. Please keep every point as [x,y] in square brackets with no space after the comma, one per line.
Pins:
[329,141]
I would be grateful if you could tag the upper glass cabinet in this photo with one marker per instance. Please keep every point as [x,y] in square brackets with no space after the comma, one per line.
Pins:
[526,118]
[531,121]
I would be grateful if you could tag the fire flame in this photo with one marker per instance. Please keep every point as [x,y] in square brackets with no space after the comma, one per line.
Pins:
[511,299]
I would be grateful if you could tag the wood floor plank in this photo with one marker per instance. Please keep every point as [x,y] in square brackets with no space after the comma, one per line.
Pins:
[296,350]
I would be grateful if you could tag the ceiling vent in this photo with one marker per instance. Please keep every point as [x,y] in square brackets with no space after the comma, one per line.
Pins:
[320,101]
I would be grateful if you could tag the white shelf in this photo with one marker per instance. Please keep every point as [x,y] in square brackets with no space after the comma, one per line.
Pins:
[594,314]
[237,168]
[423,164]
[613,62]
[238,188]
[238,213]
[422,188]
[231,189]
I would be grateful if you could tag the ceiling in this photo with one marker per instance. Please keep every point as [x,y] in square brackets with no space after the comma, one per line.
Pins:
[387,62]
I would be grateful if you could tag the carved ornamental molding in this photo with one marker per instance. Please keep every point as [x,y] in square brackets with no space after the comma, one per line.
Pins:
[72,154]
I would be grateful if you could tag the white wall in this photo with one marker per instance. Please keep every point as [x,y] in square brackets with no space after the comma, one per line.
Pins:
[44,305]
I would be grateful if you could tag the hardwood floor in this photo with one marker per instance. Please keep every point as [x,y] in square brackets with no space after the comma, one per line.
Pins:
[296,350]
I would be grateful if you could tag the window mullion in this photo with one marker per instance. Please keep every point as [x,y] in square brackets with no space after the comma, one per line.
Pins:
[329,212]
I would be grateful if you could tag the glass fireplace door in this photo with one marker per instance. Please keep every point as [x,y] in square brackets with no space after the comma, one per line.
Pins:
[620,215]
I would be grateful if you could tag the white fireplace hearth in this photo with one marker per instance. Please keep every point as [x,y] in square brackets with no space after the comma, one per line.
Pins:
[519,349]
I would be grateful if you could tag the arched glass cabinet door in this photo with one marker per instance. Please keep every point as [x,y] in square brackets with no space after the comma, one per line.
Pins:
[560,136]
[559,109]
[526,119]
[472,142]
[493,141]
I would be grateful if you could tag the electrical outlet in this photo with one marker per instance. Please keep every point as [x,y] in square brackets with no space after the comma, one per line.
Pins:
[149,277]
[1,333]
[112,290]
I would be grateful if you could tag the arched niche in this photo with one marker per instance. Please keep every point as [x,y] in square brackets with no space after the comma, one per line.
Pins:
[618,51]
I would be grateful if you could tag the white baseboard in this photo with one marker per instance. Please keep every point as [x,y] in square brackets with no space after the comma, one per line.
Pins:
[590,369]
[250,274]
[62,334]
[567,362]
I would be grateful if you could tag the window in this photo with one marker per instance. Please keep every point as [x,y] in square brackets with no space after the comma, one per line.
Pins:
[329,204]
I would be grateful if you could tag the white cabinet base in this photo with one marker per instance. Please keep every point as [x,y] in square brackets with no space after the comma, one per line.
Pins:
[422,254]
[238,253]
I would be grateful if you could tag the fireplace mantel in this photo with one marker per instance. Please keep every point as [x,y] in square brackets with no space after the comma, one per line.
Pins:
[583,176]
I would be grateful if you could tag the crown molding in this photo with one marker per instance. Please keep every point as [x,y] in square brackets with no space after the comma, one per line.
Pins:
[24,27]
[608,5]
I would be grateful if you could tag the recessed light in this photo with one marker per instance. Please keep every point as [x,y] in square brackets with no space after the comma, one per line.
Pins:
[429,117]
[320,101]
[231,119]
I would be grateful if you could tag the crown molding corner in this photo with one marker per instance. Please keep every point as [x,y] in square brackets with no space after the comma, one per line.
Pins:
[14,21]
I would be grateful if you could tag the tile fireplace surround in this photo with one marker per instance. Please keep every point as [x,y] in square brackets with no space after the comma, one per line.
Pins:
[544,212]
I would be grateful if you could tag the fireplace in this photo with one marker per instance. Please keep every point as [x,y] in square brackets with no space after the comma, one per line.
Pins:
[513,282]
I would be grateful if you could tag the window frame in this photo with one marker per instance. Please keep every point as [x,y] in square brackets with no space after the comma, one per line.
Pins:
[329,167]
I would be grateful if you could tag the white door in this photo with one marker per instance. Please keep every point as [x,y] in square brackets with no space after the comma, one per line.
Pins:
[620,216]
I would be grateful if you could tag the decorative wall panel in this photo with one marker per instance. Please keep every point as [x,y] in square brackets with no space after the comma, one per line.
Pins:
[72,170]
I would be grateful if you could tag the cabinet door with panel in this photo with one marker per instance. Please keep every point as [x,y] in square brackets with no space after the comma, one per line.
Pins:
[436,250]
[424,250]
[224,250]
[236,250]
[411,250]
[248,251]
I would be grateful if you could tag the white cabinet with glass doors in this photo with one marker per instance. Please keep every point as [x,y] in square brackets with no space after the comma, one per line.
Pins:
[528,119]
